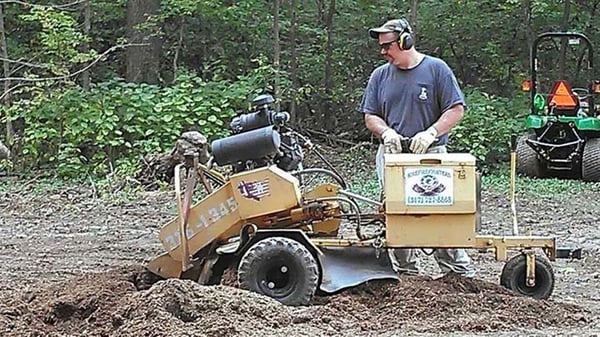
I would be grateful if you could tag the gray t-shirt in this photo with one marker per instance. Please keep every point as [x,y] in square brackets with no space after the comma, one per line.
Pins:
[412,100]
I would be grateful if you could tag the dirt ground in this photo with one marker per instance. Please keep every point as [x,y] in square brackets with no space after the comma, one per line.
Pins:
[68,261]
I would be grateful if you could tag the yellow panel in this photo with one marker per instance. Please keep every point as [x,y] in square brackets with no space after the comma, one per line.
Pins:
[216,216]
[330,226]
[430,184]
[264,191]
[438,230]
[165,266]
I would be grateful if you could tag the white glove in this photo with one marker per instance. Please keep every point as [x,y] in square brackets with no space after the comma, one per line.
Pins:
[422,140]
[391,141]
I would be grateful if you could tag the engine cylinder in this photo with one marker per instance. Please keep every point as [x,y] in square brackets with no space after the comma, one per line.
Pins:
[249,145]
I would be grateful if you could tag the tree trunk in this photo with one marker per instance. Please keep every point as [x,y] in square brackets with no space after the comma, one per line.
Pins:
[87,26]
[293,64]
[276,53]
[328,115]
[412,18]
[564,26]
[527,23]
[6,73]
[178,48]
[143,62]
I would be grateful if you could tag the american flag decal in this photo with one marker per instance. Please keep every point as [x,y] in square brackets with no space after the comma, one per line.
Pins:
[254,189]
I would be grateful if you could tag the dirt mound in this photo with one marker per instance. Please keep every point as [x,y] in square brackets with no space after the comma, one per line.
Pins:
[451,303]
[107,304]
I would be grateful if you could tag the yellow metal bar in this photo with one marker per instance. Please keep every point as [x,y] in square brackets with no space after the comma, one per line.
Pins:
[500,244]
[513,178]
[182,214]
[530,280]
[342,242]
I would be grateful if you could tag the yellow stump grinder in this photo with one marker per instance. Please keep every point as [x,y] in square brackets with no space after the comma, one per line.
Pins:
[288,240]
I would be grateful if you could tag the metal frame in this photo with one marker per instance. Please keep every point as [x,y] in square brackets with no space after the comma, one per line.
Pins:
[533,61]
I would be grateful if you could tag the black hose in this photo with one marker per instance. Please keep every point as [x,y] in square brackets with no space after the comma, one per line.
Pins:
[334,175]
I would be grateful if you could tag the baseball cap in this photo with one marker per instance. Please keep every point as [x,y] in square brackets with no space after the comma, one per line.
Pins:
[396,25]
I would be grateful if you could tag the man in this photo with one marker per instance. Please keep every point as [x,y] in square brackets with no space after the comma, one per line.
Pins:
[412,96]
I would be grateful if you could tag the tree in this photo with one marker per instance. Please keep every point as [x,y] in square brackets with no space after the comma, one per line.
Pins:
[293,62]
[87,26]
[276,52]
[564,26]
[143,62]
[327,111]
[5,72]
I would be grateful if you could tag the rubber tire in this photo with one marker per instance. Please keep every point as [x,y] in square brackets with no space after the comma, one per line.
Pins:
[262,263]
[528,163]
[590,161]
[514,273]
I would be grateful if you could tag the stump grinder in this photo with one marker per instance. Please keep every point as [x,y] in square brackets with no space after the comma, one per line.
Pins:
[289,240]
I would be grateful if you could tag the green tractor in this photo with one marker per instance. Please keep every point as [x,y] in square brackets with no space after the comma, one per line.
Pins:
[563,138]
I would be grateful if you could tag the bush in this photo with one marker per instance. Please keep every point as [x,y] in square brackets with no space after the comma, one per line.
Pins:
[487,125]
[89,132]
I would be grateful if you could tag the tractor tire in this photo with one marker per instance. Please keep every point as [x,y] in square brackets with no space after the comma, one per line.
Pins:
[281,268]
[528,162]
[515,271]
[590,161]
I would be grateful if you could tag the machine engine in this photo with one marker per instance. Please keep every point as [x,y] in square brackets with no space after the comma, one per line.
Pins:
[260,138]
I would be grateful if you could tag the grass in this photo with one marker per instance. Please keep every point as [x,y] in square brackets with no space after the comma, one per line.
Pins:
[550,187]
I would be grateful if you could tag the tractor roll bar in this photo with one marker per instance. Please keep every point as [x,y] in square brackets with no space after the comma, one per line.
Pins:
[533,64]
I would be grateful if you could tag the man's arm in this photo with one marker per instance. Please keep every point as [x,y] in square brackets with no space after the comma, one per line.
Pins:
[376,124]
[423,140]
[449,119]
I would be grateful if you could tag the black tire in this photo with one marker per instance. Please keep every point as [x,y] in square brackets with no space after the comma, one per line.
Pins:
[514,274]
[281,268]
[528,162]
[590,161]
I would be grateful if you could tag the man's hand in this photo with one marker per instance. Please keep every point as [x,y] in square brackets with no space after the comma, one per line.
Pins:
[422,140]
[391,141]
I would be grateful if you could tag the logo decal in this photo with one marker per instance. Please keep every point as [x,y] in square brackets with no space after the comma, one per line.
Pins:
[254,189]
[429,186]
[423,94]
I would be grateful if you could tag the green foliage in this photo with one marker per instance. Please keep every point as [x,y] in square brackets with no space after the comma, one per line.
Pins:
[487,125]
[115,122]
[484,42]
[59,39]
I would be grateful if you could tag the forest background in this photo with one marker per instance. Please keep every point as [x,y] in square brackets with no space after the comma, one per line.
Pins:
[89,87]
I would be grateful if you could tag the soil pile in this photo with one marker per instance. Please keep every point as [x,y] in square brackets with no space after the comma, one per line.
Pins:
[107,304]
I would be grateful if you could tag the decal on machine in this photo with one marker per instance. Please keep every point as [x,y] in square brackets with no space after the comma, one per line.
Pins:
[254,190]
[205,220]
[428,186]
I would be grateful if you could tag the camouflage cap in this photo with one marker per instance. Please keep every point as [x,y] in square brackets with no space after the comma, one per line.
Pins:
[396,25]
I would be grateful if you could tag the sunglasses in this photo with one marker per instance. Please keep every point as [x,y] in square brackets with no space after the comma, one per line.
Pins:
[386,46]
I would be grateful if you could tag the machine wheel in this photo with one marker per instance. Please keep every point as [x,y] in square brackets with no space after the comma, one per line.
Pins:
[515,271]
[527,159]
[590,162]
[281,268]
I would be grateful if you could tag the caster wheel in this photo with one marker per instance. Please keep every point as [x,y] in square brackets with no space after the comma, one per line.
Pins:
[514,276]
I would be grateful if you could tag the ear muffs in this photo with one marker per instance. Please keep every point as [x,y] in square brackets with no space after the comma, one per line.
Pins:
[405,38]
